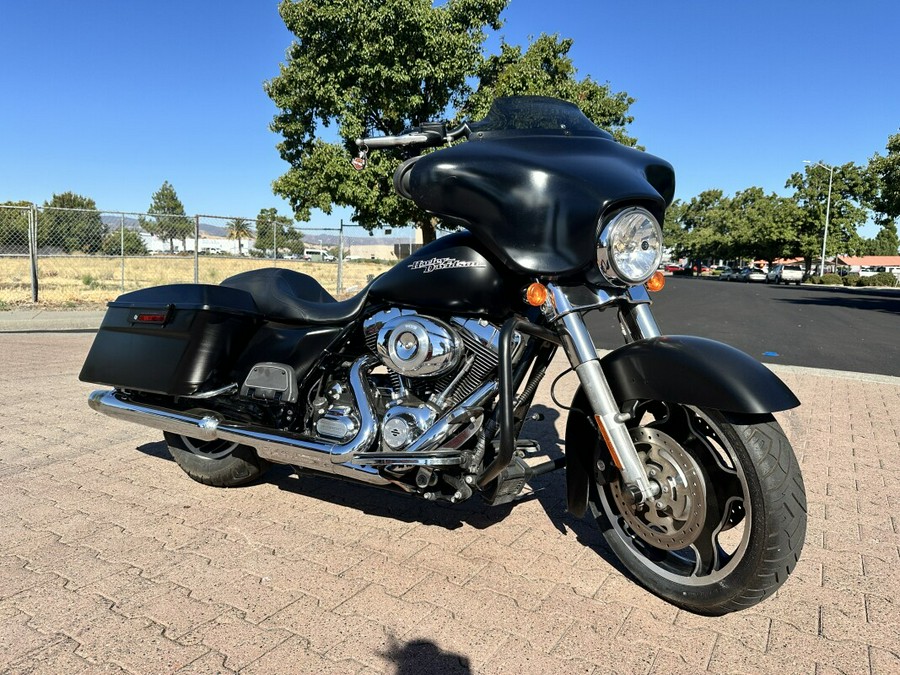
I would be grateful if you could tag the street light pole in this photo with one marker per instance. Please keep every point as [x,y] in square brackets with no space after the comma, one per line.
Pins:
[827,212]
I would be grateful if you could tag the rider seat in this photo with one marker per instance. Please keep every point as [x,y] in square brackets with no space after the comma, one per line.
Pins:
[291,297]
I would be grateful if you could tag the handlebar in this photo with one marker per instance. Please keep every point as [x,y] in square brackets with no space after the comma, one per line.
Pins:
[393,141]
[427,135]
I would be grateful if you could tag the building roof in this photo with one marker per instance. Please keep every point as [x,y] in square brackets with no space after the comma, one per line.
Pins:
[870,260]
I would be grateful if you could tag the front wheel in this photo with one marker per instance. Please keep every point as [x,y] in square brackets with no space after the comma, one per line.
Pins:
[727,525]
[217,463]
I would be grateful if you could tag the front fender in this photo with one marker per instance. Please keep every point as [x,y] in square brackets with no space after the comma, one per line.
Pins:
[675,369]
[695,371]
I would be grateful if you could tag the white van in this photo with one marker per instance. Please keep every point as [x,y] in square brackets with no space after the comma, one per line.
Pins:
[318,255]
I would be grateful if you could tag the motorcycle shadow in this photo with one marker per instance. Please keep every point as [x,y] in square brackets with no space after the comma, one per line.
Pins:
[548,491]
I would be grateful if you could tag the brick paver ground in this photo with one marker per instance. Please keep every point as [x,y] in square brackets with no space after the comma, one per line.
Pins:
[112,560]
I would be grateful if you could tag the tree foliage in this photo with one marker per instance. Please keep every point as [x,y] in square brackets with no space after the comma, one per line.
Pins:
[72,223]
[545,69]
[884,178]
[14,227]
[239,228]
[884,172]
[364,66]
[127,242]
[167,218]
[380,68]
[847,212]
[276,233]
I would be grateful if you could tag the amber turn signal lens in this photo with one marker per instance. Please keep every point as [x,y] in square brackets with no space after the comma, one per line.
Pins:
[536,294]
[656,283]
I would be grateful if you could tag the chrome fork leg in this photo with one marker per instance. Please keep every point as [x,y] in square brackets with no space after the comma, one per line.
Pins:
[579,347]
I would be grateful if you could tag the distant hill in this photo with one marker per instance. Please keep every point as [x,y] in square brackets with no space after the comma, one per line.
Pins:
[311,235]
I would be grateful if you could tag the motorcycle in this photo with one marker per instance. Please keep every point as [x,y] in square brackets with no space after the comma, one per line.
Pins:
[422,382]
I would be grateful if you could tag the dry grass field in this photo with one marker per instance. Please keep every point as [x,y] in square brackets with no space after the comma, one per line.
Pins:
[92,281]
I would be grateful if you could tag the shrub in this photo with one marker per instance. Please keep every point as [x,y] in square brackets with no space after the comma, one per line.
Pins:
[852,279]
[881,279]
[831,280]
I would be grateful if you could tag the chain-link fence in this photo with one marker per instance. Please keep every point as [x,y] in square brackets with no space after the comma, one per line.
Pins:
[83,257]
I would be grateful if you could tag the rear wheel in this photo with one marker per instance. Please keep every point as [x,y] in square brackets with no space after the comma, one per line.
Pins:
[727,525]
[217,463]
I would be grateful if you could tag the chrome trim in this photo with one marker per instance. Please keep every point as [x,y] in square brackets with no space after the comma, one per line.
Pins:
[559,305]
[226,390]
[405,460]
[466,412]
[639,294]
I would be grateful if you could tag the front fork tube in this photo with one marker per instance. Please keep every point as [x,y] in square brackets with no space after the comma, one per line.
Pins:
[579,347]
[637,319]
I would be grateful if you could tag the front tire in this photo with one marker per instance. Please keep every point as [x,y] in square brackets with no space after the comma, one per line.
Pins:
[728,525]
[216,463]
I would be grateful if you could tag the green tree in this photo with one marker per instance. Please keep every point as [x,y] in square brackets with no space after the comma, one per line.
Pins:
[239,228]
[884,178]
[167,218]
[131,241]
[368,66]
[884,173]
[14,227]
[71,222]
[763,226]
[885,242]
[850,188]
[701,228]
[274,230]
[545,69]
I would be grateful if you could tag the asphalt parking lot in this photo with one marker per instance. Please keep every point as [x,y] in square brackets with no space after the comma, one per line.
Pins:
[113,560]
[851,329]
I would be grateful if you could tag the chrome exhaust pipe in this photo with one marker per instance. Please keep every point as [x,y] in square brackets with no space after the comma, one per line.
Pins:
[283,447]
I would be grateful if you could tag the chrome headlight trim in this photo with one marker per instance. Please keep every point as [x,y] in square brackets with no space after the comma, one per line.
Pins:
[629,246]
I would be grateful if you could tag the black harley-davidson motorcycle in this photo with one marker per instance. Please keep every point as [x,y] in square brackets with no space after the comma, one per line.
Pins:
[422,382]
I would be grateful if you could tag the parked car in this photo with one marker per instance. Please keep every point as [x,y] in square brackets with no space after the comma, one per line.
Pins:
[727,273]
[785,274]
[671,268]
[752,274]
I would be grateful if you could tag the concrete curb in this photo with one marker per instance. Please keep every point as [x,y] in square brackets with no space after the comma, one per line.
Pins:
[41,320]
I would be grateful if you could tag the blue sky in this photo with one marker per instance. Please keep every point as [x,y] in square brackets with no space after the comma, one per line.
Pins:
[109,98]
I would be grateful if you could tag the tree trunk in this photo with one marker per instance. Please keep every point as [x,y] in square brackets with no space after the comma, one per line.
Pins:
[429,232]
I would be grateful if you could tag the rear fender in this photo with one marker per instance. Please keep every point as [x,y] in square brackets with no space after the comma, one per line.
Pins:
[675,369]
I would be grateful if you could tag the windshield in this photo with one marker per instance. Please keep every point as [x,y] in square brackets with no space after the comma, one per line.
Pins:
[535,115]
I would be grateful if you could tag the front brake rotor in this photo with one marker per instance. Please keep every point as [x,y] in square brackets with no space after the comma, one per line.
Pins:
[675,517]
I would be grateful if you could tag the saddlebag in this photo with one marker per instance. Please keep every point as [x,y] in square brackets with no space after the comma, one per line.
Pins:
[174,340]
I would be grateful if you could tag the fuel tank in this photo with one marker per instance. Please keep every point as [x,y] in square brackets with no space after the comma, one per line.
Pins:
[454,274]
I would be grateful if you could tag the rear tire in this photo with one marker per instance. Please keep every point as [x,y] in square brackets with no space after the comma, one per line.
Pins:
[216,463]
[729,528]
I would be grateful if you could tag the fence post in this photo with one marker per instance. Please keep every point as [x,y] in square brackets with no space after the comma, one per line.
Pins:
[32,251]
[122,246]
[275,227]
[340,273]
[197,249]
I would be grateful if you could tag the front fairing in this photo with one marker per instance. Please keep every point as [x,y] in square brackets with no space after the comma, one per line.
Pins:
[535,200]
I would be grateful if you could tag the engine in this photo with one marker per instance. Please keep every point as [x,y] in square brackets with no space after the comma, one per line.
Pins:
[430,366]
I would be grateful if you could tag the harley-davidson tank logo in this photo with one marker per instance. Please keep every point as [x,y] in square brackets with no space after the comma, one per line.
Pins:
[443,264]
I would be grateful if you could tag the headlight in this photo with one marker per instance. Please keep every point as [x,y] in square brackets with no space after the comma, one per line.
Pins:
[629,246]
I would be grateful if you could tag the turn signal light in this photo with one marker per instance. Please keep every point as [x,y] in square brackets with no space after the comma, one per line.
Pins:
[655,283]
[536,294]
